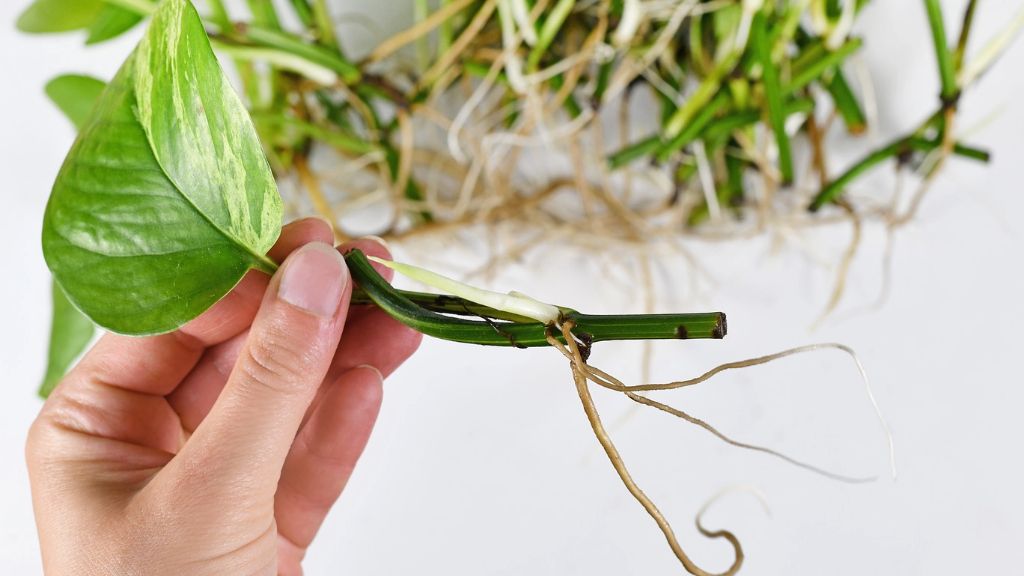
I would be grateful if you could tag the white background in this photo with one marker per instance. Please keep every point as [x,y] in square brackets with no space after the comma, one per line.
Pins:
[483,463]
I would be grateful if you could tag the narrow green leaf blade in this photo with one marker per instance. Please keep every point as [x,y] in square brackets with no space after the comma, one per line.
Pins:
[48,16]
[70,333]
[165,200]
[111,22]
[75,95]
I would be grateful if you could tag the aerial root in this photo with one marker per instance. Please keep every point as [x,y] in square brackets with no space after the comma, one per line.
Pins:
[583,373]
[572,352]
[754,447]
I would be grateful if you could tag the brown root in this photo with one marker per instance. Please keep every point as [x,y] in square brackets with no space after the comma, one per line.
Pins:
[583,373]
[572,351]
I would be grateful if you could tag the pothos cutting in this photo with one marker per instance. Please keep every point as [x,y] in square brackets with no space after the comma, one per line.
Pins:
[166,200]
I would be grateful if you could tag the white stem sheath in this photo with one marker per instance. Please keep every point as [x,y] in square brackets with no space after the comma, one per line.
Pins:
[315,72]
[842,27]
[513,303]
[521,13]
[632,17]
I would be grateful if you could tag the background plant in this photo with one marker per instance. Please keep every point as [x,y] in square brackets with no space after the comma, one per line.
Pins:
[436,137]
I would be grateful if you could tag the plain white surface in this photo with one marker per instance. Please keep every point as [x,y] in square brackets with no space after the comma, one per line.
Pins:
[482,462]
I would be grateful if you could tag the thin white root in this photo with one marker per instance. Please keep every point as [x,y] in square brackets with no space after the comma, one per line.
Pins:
[874,403]
[602,378]
[746,446]
[777,356]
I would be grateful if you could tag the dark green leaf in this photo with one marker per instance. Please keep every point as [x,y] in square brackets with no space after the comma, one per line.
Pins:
[165,200]
[111,22]
[75,95]
[70,333]
[45,16]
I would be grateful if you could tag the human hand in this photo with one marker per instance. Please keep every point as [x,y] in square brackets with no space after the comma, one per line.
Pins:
[218,448]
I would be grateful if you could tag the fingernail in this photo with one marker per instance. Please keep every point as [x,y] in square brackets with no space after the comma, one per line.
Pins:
[380,241]
[314,279]
[371,368]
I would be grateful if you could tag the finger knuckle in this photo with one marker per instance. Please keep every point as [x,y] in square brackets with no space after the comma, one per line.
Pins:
[275,359]
[63,414]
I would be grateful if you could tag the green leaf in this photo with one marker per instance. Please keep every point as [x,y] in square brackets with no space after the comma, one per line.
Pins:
[70,330]
[46,16]
[103,21]
[165,200]
[70,333]
[75,95]
[111,22]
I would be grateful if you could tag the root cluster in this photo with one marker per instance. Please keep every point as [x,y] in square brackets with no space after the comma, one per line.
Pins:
[562,339]
[477,136]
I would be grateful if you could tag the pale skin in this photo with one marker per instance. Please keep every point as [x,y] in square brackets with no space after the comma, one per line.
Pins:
[219,448]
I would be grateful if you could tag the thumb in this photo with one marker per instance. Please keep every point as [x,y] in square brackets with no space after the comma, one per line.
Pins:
[245,438]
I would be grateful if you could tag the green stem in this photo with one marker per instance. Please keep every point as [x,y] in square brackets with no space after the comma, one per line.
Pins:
[548,31]
[782,33]
[965,32]
[713,131]
[804,75]
[296,46]
[846,103]
[324,23]
[609,327]
[773,95]
[899,147]
[345,142]
[692,130]
[303,11]
[412,190]
[726,125]
[219,15]
[942,54]
[589,328]
[264,264]
[264,14]
[633,151]
[707,88]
